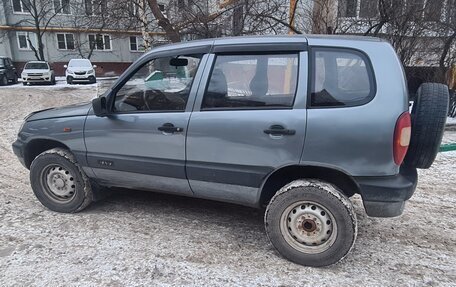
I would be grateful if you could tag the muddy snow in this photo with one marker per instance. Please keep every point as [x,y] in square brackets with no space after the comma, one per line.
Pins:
[137,238]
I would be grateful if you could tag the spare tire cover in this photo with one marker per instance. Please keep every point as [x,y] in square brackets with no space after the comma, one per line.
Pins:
[429,115]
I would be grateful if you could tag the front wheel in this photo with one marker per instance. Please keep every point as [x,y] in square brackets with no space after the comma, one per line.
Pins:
[59,182]
[4,81]
[311,223]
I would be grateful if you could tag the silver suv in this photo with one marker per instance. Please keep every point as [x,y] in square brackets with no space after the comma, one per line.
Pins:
[294,124]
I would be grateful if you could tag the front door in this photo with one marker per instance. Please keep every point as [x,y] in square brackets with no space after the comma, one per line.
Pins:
[142,143]
[247,122]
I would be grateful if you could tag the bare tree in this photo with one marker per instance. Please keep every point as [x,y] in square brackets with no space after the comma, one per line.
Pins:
[171,31]
[42,13]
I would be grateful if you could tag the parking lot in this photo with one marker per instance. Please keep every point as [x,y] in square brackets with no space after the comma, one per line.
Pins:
[137,238]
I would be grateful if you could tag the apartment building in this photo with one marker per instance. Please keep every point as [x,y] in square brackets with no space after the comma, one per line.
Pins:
[106,32]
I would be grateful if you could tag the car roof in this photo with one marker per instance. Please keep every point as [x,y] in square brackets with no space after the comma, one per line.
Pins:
[270,39]
[45,62]
[85,60]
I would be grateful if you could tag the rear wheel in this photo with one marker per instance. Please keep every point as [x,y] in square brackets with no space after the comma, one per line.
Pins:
[311,223]
[70,80]
[429,114]
[59,182]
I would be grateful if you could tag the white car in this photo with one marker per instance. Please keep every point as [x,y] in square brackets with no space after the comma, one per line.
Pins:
[80,71]
[37,72]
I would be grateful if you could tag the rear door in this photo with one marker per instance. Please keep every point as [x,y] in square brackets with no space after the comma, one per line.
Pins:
[249,119]
[142,143]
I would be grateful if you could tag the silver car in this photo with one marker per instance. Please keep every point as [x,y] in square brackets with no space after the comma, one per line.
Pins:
[37,72]
[295,125]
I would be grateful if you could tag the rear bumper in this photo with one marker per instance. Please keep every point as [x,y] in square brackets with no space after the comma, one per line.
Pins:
[385,196]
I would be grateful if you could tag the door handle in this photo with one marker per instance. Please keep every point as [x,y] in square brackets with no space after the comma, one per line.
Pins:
[170,128]
[278,130]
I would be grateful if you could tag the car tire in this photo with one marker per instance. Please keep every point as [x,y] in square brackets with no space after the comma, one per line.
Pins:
[69,80]
[59,182]
[53,82]
[4,81]
[311,223]
[15,79]
[24,83]
[429,113]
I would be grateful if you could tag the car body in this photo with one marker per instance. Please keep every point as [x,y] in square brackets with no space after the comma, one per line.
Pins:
[80,71]
[247,120]
[8,73]
[38,72]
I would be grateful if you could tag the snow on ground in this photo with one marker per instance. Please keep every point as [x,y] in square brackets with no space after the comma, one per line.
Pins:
[60,83]
[451,121]
[137,238]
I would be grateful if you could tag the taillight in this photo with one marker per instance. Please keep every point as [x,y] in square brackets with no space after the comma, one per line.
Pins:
[402,135]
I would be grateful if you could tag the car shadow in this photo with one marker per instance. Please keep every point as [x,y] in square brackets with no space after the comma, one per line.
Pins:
[126,200]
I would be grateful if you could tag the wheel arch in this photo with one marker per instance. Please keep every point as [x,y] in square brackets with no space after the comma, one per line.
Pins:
[284,175]
[37,146]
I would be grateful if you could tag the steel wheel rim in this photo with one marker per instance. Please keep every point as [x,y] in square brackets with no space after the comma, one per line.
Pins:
[58,183]
[308,227]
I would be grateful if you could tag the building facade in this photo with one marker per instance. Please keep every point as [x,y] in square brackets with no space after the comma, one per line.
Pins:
[74,29]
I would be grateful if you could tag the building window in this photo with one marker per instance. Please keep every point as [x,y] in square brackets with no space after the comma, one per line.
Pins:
[100,42]
[347,8]
[451,12]
[24,39]
[133,8]
[137,44]
[65,41]
[20,7]
[433,10]
[368,8]
[95,7]
[415,9]
[62,6]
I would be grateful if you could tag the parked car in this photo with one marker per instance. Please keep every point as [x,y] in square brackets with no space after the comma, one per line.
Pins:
[8,72]
[295,124]
[80,71]
[38,72]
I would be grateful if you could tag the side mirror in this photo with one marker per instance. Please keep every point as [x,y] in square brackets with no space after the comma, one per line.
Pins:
[65,66]
[100,107]
[94,66]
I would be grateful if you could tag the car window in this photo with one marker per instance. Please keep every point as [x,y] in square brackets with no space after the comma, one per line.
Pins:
[341,77]
[40,66]
[162,84]
[252,81]
[2,62]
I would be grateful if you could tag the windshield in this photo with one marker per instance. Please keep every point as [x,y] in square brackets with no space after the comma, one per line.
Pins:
[39,66]
[80,63]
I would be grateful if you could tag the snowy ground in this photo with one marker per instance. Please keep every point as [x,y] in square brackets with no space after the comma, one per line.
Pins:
[136,238]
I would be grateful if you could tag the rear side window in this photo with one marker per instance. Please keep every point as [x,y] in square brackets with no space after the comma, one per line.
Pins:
[252,82]
[341,78]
